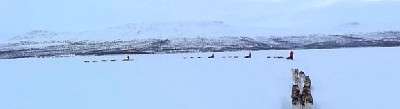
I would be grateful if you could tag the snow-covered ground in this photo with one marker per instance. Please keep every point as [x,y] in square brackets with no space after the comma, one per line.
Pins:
[354,78]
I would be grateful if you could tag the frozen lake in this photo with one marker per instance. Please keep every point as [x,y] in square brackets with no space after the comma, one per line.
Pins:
[354,78]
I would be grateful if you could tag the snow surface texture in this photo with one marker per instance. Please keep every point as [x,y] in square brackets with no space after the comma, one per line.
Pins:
[361,78]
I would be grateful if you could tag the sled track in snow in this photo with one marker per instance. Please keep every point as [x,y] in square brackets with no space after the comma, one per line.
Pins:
[301,90]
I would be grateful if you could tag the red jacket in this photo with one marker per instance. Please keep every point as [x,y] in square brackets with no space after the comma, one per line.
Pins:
[291,53]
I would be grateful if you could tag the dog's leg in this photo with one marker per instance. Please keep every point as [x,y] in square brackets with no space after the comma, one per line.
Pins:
[307,106]
[296,106]
[298,82]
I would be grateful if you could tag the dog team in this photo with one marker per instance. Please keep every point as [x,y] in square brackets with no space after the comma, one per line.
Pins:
[301,90]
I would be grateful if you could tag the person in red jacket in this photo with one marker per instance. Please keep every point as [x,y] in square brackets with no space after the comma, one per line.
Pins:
[291,55]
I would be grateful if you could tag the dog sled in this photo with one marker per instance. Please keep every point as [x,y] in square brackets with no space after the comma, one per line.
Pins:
[127,59]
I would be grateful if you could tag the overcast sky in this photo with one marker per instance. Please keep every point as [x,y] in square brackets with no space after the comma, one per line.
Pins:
[18,16]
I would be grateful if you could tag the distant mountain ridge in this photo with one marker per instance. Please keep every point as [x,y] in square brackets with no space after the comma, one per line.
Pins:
[131,31]
[27,49]
[180,37]
[35,34]
[172,29]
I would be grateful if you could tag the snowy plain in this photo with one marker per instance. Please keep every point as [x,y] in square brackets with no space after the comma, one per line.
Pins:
[351,78]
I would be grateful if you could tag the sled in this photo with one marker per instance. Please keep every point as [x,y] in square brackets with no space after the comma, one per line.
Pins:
[212,56]
[248,56]
[127,59]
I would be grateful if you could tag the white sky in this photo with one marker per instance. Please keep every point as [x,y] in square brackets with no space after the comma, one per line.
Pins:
[18,16]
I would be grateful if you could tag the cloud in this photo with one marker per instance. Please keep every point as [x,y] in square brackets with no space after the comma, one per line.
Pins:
[353,23]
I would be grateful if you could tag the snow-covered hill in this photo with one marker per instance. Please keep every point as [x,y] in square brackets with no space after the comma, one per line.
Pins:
[25,49]
[187,29]
[181,37]
[164,30]
[356,78]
